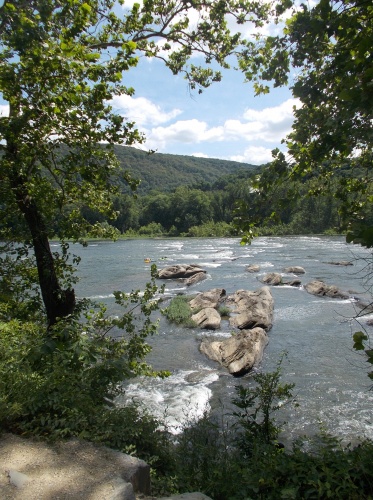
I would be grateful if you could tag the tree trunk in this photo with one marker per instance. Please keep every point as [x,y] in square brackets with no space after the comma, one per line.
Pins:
[58,303]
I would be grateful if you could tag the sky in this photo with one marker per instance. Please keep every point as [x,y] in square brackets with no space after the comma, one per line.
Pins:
[226,121]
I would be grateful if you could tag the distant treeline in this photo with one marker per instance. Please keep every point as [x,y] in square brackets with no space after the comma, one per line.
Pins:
[209,209]
[200,197]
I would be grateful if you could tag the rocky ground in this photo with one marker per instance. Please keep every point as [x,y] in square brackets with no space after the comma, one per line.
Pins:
[35,470]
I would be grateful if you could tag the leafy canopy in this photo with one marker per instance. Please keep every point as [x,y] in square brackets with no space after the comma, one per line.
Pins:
[61,65]
[325,53]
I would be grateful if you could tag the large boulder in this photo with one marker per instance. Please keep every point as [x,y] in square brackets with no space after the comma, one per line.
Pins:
[251,309]
[179,271]
[34,469]
[195,278]
[295,270]
[240,352]
[272,279]
[207,318]
[322,289]
[210,298]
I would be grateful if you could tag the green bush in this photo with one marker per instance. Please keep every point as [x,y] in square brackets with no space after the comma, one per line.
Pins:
[180,312]
[224,311]
[152,229]
[212,229]
[239,458]
[255,407]
[60,382]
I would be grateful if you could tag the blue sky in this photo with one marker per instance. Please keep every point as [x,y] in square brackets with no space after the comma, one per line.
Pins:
[226,121]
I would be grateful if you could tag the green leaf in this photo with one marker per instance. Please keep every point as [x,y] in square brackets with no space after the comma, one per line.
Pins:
[87,8]
[359,338]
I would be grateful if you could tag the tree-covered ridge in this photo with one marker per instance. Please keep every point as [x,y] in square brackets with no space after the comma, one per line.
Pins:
[166,172]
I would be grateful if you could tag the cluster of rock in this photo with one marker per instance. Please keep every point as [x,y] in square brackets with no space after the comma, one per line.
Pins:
[250,313]
[315,287]
[277,279]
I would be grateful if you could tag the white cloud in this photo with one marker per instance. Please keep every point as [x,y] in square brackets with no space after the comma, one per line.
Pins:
[4,110]
[256,155]
[185,131]
[142,110]
[273,114]
[200,155]
[269,125]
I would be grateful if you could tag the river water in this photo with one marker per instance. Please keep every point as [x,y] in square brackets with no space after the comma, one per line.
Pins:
[330,378]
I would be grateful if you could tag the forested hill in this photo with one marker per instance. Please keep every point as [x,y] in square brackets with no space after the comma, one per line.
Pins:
[165,172]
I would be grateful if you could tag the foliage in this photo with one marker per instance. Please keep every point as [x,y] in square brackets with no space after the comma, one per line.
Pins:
[362,343]
[224,311]
[152,229]
[161,173]
[255,407]
[212,229]
[211,451]
[61,67]
[204,460]
[62,383]
[327,46]
[179,311]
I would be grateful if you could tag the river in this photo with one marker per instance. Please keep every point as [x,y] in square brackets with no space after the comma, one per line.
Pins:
[330,378]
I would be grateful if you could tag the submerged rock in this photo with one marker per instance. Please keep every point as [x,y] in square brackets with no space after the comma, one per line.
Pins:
[253,268]
[340,263]
[295,270]
[240,352]
[196,278]
[251,309]
[294,282]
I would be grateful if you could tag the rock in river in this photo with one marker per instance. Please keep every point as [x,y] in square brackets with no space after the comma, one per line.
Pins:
[240,352]
[210,298]
[251,309]
[320,288]
[179,271]
[272,279]
[207,318]
[195,278]
[253,268]
[295,270]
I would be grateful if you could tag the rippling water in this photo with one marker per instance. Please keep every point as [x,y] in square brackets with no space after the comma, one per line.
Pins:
[330,378]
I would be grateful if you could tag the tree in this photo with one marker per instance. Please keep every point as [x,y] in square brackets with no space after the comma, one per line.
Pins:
[61,64]
[329,49]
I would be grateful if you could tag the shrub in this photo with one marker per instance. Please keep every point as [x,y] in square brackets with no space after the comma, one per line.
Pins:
[239,458]
[256,405]
[224,311]
[152,229]
[63,381]
[180,312]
